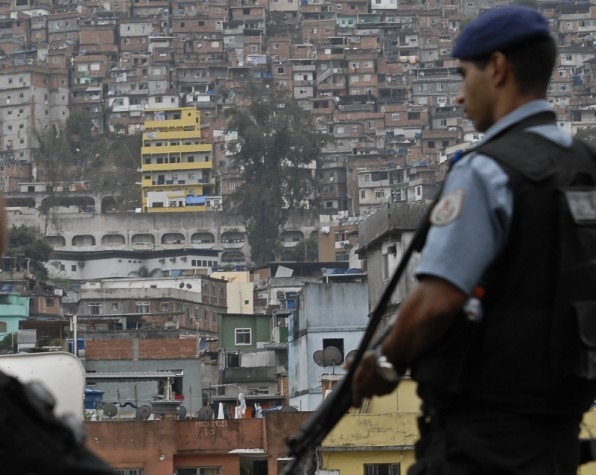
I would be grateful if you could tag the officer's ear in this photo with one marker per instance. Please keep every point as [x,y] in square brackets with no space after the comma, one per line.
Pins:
[500,69]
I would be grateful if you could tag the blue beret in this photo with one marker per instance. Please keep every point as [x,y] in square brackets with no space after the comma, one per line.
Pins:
[498,29]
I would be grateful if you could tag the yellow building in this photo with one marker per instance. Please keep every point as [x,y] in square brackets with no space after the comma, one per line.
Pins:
[240,291]
[176,163]
[379,438]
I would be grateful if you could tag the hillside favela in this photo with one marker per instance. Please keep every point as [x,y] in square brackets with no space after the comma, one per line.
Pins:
[206,199]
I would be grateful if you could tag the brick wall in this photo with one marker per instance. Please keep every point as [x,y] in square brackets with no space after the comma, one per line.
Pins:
[154,349]
[108,350]
[167,349]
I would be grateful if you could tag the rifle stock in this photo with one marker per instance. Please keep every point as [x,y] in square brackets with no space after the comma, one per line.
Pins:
[326,417]
[318,425]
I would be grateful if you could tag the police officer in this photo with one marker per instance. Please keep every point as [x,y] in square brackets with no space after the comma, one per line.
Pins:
[497,398]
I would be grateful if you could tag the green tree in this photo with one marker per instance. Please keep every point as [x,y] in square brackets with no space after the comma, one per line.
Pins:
[276,143]
[8,343]
[26,243]
[53,159]
[307,250]
[79,127]
[526,3]
[588,135]
[144,272]
[109,163]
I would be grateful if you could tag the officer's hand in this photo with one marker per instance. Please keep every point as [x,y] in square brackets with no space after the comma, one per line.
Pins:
[367,382]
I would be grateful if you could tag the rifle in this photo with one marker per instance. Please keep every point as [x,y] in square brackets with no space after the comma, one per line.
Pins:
[333,408]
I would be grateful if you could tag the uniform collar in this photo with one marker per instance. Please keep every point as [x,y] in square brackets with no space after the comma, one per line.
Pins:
[517,115]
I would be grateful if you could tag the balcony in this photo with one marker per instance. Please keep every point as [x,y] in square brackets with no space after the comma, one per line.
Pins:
[244,375]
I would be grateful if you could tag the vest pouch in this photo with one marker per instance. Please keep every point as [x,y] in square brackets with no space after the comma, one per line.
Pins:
[586,323]
[573,342]
[578,243]
[440,371]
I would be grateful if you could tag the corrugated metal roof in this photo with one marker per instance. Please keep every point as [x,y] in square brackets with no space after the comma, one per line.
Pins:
[133,376]
[259,397]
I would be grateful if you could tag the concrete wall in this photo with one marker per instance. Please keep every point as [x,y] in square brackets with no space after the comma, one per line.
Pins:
[326,311]
[138,355]
[383,238]
[160,447]
[156,225]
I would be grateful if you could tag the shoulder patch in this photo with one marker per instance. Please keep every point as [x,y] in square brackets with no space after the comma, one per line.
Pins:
[447,210]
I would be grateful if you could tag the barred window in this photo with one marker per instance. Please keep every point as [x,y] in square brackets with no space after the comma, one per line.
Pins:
[382,469]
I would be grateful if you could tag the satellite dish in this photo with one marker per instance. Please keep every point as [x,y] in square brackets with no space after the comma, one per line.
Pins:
[332,356]
[143,413]
[181,410]
[108,408]
[318,357]
[181,285]
[351,354]
[188,286]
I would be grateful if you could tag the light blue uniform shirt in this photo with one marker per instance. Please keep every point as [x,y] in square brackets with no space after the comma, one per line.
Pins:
[461,250]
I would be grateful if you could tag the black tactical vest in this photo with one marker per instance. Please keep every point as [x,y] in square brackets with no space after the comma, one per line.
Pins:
[525,354]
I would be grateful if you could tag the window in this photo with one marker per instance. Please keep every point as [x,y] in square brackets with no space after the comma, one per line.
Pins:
[232,185]
[94,308]
[128,471]
[395,116]
[380,193]
[336,343]
[115,306]
[142,307]
[233,360]
[164,306]
[243,336]
[382,469]
[198,471]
